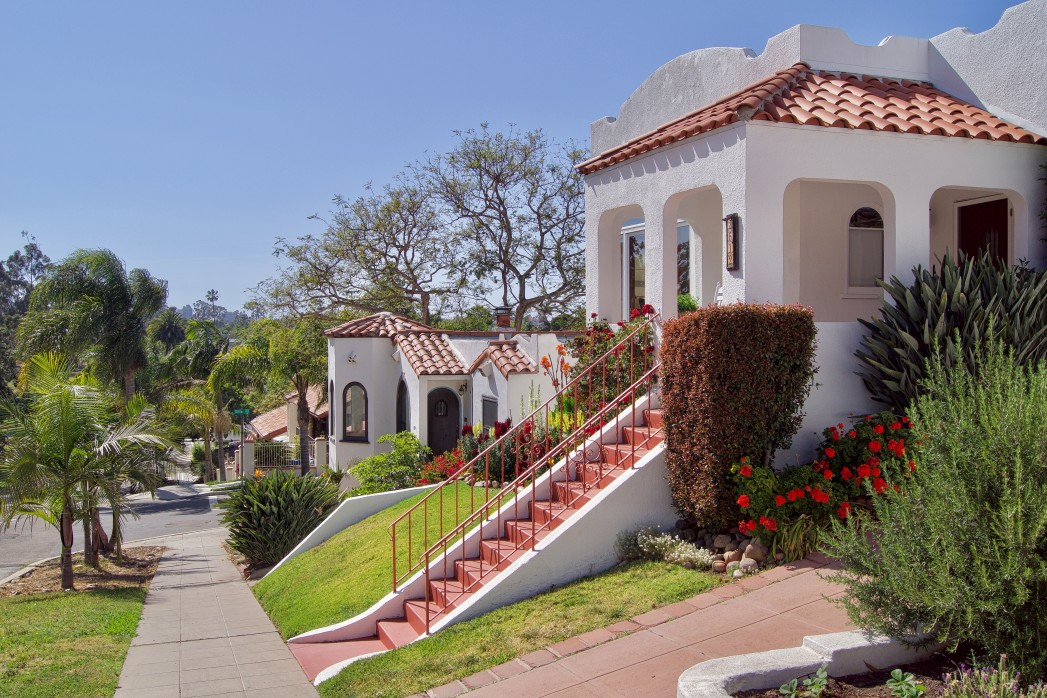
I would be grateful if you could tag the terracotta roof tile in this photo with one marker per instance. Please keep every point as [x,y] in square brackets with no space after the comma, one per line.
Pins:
[274,422]
[506,357]
[429,354]
[382,324]
[834,100]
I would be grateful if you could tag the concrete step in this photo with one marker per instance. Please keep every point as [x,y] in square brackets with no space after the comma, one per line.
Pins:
[545,511]
[500,552]
[648,437]
[654,418]
[415,614]
[573,493]
[397,632]
[623,455]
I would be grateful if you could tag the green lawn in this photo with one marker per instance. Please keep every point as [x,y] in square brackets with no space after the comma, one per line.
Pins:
[508,632]
[66,644]
[352,570]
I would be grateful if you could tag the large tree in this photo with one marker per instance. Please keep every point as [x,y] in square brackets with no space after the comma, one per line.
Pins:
[90,303]
[22,270]
[520,200]
[385,250]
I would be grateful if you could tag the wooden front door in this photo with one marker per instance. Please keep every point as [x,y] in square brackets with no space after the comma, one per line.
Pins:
[443,420]
[984,227]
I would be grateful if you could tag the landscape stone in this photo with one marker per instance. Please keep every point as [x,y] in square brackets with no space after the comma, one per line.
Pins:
[755,552]
[738,574]
[748,565]
[733,556]
[719,566]
[721,541]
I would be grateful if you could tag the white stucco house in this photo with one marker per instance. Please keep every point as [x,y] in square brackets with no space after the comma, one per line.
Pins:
[389,374]
[807,172]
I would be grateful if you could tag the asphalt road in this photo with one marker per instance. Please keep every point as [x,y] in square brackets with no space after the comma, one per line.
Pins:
[176,509]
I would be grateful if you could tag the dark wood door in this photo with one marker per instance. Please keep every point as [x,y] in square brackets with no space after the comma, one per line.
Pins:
[443,420]
[984,226]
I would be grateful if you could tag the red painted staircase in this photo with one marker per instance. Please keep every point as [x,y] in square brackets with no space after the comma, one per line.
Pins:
[462,578]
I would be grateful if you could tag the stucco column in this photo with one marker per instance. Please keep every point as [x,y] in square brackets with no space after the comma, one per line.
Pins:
[659,260]
[907,232]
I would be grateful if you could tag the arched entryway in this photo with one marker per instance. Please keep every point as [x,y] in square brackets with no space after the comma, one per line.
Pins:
[444,415]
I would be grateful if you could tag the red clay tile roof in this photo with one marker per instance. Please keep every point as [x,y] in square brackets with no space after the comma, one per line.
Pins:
[507,358]
[429,354]
[274,422]
[378,325]
[799,95]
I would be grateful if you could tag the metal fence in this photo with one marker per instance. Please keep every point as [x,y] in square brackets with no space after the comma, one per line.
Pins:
[282,455]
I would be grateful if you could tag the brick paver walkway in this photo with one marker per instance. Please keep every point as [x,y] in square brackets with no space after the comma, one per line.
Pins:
[646,655]
[202,632]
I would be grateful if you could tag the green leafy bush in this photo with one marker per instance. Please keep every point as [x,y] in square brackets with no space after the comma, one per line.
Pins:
[976,296]
[270,515]
[734,379]
[395,470]
[961,549]
[685,303]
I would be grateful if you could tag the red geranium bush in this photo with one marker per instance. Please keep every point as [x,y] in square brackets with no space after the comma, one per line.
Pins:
[855,463]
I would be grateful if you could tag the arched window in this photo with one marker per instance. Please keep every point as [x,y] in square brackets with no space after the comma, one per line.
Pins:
[403,407]
[864,250]
[330,408]
[354,413]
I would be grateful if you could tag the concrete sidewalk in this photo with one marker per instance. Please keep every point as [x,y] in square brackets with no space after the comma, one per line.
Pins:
[645,656]
[202,632]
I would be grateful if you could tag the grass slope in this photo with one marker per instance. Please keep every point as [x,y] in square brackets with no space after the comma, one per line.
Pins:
[352,570]
[508,632]
[66,644]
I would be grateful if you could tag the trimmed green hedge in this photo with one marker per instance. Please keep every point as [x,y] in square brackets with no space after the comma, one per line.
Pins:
[734,379]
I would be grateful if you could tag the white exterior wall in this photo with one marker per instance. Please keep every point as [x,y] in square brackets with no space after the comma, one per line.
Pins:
[378,370]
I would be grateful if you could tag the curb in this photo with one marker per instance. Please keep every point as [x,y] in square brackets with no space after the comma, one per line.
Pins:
[847,653]
[33,565]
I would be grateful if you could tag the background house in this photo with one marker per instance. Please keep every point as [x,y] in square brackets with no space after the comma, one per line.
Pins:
[806,173]
[388,373]
[281,423]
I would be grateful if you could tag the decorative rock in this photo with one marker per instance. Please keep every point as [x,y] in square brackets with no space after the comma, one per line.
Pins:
[755,552]
[733,555]
[738,574]
[717,557]
[732,566]
[779,556]
[688,535]
[748,565]
[708,540]
[682,524]
[743,542]
[721,541]
[739,536]
[719,566]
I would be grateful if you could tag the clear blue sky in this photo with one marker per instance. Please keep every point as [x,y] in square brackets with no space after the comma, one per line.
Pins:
[187,136]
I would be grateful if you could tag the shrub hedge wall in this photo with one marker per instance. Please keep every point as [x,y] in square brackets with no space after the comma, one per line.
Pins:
[734,379]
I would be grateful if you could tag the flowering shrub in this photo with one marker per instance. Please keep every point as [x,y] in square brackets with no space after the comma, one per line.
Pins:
[854,464]
[627,365]
[651,544]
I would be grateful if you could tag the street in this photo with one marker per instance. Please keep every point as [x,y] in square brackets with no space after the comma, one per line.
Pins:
[176,509]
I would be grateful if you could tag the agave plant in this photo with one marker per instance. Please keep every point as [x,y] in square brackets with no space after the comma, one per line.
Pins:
[270,515]
[954,310]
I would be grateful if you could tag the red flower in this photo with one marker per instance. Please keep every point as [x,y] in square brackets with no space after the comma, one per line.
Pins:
[912,466]
[905,420]
[845,474]
[647,309]
[864,470]
[844,511]
[633,314]
[743,501]
[895,426]
[769,524]
[879,485]
[746,471]
[830,452]
[827,474]
[852,433]
[878,428]
[592,315]
[875,446]
[779,500]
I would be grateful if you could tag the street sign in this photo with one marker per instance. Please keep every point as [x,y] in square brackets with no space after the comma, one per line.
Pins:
[241,412]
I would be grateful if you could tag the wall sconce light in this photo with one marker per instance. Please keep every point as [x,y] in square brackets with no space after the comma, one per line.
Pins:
[732,238]
[351,358]
[461,389]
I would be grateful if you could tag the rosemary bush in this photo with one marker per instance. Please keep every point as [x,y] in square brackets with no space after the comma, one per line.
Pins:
[961,550]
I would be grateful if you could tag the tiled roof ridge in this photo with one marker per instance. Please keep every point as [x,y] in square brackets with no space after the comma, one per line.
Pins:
[827,98]
[429,353]
[381,324]
[506,356]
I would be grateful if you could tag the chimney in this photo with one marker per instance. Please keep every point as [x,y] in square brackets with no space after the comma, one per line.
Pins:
[503,317]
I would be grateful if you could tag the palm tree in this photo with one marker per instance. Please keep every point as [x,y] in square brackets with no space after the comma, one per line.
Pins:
[59,442]
[89,302]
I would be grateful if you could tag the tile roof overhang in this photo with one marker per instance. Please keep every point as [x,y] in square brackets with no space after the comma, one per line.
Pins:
[429,354]
[800,95]
[506,357]
[382,324]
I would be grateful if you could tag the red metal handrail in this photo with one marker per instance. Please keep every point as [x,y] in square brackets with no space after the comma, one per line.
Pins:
[559,454]
[594,374]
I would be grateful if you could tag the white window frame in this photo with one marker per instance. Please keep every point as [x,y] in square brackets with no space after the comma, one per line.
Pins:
[862,291]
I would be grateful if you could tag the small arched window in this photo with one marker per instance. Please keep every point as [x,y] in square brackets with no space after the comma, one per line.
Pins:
[354,413]
[403,414]
[864,250]
[330,408]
